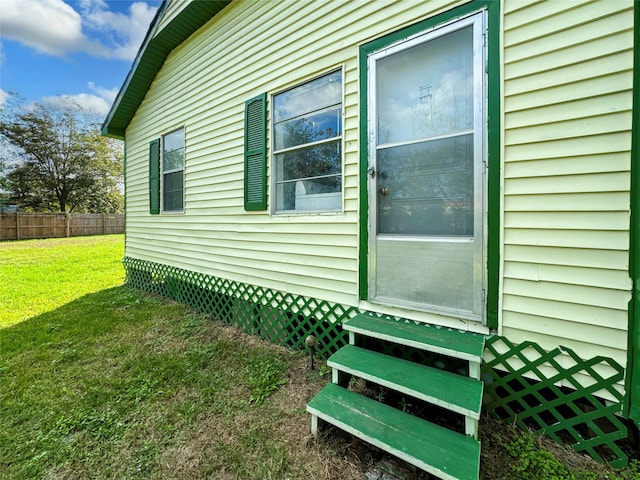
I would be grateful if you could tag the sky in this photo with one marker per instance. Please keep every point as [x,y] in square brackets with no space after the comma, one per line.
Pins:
[58,52]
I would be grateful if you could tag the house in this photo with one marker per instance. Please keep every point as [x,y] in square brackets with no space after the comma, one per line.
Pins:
[452,177]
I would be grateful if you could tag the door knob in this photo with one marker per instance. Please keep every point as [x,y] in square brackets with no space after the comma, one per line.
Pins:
[384,191]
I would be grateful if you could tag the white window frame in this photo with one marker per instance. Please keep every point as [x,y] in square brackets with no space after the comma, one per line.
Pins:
[311,199]
[164,172]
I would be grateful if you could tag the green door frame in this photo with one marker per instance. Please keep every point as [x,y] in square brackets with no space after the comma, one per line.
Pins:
[493,147]
[632,407]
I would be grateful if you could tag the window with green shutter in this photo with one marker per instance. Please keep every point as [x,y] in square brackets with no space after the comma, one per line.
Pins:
[154,177]
[255,153]
[166,173]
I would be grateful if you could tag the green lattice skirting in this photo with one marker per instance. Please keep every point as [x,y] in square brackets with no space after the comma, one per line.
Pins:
[281,318]
[525,387]
[520,389]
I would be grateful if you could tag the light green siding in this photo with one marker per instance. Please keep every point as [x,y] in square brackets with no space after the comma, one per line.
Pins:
[245,50]
[567,137]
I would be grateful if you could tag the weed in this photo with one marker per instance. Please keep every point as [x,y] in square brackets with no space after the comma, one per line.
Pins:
[325,370]
[532,462]
[405,405]
[141,388]
[188,410]
[102,425]
[381,394]
[265,376]
[192,324]
[145,459]
[200,356]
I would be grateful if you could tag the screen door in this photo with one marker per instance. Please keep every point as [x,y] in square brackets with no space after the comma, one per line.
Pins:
[427,171]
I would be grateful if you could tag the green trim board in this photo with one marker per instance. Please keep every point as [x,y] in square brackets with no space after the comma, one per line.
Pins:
[430,447]
[494,195]
[493,133]
[632,403]
[363,227]
[150,58]
[154,177]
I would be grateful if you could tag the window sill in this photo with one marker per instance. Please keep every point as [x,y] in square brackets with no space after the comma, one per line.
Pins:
[306,213]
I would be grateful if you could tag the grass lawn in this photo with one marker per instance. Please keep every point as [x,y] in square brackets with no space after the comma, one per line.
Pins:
[40,275]
[98,380]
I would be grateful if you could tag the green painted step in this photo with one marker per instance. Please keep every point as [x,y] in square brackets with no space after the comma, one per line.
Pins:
[437,450]
[454,343]
[454,392]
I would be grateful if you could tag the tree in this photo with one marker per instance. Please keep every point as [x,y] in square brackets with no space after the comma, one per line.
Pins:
[60,162]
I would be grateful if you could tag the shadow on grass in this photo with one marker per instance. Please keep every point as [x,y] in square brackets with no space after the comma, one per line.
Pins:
[119,384]
[71,378]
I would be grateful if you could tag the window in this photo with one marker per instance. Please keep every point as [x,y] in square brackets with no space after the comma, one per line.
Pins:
[173,171]
[307,129]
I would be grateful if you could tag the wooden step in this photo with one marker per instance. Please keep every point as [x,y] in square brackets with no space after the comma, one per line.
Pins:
[437,450]
[454,392]
[454,343]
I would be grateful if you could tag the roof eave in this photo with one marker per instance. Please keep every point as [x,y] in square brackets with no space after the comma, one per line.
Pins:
[150,58]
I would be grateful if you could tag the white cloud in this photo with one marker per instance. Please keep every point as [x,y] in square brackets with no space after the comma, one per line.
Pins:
[125,31]
[48,26]
[53,27]
[96,103]
[108,94]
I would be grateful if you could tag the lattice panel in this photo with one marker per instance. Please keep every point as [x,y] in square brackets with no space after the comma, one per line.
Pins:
[545,391]
[281,318]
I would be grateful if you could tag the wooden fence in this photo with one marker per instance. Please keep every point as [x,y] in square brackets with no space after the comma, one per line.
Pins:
[21,226]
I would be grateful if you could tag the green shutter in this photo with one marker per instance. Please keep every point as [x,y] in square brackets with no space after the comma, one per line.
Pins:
[154,177]
[255,153]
